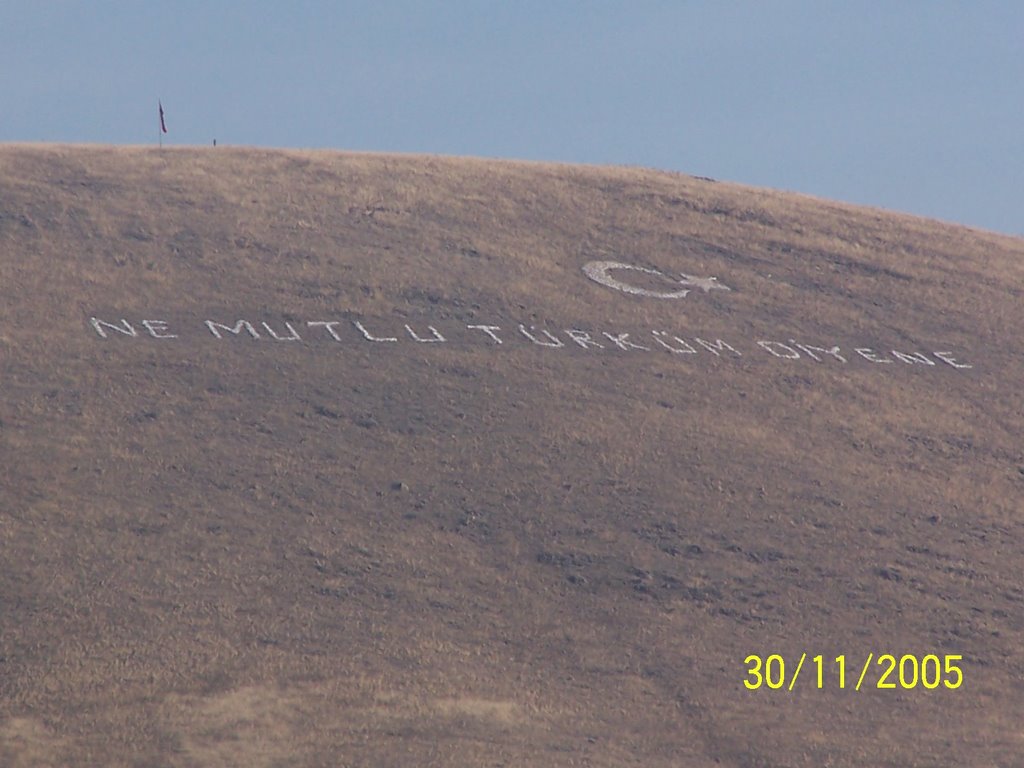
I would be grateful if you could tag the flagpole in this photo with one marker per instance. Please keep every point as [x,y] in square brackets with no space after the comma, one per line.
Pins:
[160,126]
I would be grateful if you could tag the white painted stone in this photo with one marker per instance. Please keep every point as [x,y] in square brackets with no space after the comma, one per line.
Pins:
[369,336]
[294,336]
[488,329]
[124,327]
[810,349]
[947,357]
[158,329]
[621,340]
[599,272]
[910,358]
[326,324]
[582,338]
[554,340]
[706,284]
[717,346]
[236,330]
[869,354]
[437,337]
[787,351]
[685,349]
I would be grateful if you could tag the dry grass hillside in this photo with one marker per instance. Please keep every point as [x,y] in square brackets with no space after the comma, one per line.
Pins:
[254,511]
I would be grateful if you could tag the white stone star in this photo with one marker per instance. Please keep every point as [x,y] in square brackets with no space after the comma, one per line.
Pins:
[707,283]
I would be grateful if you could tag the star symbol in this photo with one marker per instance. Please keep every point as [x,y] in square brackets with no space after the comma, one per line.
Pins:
[706,283]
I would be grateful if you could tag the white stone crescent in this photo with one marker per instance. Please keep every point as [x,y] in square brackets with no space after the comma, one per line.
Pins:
[598,271]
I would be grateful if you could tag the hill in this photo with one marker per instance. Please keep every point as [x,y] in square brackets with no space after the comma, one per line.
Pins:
[313,458]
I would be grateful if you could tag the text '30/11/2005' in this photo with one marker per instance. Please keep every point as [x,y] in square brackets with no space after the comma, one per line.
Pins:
[889,672]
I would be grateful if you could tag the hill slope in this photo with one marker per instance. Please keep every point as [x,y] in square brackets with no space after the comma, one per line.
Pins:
[331,459]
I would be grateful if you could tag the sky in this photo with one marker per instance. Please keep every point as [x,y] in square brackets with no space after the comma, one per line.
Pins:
[913,106]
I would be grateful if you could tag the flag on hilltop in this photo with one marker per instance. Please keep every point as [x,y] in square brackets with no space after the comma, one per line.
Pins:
[163,125]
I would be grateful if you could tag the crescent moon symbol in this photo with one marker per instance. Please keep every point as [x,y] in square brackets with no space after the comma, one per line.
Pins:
[598,272]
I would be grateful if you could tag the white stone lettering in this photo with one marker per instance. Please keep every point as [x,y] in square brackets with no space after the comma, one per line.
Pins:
[685,349]
[869,354]
[239,326]
[621,340]
[633,341]
[158,329]
[293,337]
[773,347]
[124,327]
[554,341]
[488,329]
[582,338]
[807,352]
[810,349]
[437,336]
[369,336]
[913,357]
[947,357]
[328,324]
[717,346]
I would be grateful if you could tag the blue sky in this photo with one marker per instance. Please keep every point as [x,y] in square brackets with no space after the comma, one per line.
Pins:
[914,105]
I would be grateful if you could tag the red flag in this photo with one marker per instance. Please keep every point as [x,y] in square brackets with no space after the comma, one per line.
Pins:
[163,125]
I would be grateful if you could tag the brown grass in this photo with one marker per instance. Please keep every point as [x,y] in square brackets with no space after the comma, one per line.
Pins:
[240,552]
